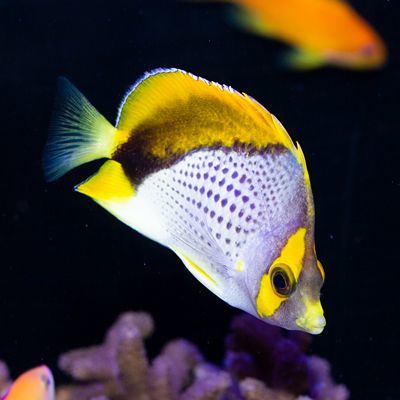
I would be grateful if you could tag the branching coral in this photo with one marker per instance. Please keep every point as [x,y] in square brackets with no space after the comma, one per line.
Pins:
[278,358]
[262,362]
[119,369]
[4,378]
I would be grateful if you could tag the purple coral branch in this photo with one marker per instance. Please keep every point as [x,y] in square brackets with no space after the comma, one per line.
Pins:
[262,362]
[4,378]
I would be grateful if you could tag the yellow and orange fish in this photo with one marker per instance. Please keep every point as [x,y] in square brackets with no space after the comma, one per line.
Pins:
[35,384]
[322,32]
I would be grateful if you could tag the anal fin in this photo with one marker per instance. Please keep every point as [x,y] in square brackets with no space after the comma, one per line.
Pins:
[110,183]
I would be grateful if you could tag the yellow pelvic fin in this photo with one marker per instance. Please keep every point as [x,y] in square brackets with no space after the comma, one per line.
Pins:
[303,60]
[109,183]
[174,112]
[195,269]
[199,270]
[292,254]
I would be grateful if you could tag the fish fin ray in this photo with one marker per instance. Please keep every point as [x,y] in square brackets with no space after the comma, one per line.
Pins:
[192,247]
[206,277]
[207,268]
[110,183]
[78,133]
[133,87]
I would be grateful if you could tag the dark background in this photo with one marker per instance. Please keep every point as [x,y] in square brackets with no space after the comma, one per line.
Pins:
[68,268]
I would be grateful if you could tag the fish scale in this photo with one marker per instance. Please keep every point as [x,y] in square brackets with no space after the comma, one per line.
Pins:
[218,199]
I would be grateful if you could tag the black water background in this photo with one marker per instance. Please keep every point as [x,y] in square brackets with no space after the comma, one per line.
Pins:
[68,268]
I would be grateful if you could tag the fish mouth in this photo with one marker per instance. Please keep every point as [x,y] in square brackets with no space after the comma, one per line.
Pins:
[314,327]
[313,320]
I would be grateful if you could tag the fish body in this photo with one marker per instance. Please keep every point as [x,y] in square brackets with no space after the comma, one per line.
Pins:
[35,384]
[209,173]
[321,31]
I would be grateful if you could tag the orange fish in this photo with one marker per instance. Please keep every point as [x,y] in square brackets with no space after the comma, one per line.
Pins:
[35,384]
[322,32]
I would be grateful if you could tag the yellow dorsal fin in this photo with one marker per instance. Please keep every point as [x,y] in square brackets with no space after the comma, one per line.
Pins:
[109,183]
[174,112]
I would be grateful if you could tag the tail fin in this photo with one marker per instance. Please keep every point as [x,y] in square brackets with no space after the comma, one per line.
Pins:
[78,133]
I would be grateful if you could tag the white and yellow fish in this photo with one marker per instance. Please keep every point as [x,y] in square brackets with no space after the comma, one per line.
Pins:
[35,384]
[209,173]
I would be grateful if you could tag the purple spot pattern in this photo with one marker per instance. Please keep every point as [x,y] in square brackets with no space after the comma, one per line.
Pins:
[217,201]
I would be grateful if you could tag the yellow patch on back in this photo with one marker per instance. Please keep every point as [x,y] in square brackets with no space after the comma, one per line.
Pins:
[175,112]
[109,183]
[268,301]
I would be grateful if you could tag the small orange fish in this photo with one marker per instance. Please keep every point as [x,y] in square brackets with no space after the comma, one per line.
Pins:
[35,384]
[321,31]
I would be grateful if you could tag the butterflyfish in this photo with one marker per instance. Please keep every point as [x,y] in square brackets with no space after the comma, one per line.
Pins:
[35,384]
[209,173]
[322,32]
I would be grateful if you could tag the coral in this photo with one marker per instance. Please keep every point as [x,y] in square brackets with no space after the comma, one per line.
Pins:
[262,362]
[119,369]
[278,358]
[4,378]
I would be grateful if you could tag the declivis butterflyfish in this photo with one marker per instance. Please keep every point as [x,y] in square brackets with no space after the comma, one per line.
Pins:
[321,32]
[209,173]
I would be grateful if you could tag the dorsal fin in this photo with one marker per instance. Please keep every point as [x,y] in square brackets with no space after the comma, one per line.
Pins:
[172,112]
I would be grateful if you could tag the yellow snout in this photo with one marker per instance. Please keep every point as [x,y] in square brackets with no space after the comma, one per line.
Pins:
[313,320]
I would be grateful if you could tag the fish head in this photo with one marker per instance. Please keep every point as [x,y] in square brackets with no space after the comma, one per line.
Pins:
[365,49]
[46,382]
[35,384]
[285,290]
[371,53]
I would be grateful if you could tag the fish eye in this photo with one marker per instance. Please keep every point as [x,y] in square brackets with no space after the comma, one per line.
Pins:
[46,381]
[282,280]
[368,50]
